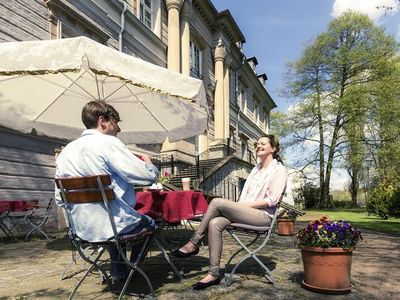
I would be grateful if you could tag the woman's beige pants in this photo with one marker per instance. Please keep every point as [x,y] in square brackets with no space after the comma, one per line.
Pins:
[221,213]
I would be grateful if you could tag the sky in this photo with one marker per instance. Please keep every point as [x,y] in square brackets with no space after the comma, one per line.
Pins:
[276,31]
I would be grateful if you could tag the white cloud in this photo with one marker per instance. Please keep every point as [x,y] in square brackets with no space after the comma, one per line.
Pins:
[368,7]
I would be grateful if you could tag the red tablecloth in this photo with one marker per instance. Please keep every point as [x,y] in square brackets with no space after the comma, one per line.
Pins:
[17,205]
[172,206]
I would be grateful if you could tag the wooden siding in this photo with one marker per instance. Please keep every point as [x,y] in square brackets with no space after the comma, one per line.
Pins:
[27,167]
[22,20]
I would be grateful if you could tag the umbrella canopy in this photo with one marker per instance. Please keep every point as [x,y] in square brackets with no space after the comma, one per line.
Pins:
[45,84]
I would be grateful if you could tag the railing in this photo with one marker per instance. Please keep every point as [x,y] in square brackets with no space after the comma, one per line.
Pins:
[223,145]
[227,188]
[164,162]
[224,149]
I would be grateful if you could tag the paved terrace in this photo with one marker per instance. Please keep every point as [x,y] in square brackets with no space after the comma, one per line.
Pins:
[31,270]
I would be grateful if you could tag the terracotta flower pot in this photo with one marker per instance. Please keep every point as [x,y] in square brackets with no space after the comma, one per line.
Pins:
[327,270]
[285,227]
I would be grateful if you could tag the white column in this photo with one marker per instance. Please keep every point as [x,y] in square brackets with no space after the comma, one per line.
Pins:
[227,93]
[185,39]
[173,58]
[219,116]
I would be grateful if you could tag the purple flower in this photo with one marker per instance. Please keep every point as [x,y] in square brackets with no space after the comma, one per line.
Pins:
[325,233]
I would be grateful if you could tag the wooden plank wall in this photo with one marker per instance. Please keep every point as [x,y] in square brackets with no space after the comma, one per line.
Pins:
[27,167]
[23,20]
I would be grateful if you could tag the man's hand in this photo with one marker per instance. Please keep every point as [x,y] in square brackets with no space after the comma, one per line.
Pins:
[146,158]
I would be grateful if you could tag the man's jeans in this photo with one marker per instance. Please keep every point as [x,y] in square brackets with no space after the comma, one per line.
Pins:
[118,267]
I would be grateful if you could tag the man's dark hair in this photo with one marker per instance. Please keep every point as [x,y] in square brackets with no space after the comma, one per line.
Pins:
[95,109]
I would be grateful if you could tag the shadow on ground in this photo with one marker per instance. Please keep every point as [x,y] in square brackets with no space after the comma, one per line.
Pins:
[31,270]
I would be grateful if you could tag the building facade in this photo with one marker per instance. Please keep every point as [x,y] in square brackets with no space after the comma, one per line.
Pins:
[190,37]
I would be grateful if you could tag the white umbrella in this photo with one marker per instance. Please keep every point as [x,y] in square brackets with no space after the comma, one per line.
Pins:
[45,84]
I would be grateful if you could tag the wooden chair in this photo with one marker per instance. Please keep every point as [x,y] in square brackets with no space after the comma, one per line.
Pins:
[238,230]
[91,189]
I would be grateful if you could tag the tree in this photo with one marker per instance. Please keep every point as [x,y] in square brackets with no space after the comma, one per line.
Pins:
[334,79]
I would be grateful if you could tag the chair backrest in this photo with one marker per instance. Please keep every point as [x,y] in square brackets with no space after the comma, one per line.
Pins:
[275,217]
[88,189]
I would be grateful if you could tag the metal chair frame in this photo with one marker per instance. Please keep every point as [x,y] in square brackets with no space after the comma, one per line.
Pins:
[4,215]
[236,229]
[77,190]
[35,219]
[38,219]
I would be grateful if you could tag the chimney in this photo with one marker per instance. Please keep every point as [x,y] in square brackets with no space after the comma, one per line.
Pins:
[263,78]
[253,63]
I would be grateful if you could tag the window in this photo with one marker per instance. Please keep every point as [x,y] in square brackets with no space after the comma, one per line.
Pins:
[195,61]
[256,110]
[146,13]
[232,138]
[267,120]
[243,148]
[234,92]
[242,97]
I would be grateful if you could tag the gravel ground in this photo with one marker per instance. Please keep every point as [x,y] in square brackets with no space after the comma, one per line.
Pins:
[31,270]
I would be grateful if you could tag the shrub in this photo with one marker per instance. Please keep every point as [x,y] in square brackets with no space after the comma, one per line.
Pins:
[307,195]
[342,204]
[384,200]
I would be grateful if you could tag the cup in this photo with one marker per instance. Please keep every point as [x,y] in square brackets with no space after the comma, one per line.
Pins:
[186,184]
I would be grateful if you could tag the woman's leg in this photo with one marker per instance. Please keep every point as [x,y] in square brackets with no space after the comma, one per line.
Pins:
[222,213]
[215,231]
[232,213]
[212,212]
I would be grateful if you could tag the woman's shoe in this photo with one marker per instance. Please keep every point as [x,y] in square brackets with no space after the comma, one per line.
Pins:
[180,254]
[203,285]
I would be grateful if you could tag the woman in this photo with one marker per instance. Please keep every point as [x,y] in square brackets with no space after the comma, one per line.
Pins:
[256,206]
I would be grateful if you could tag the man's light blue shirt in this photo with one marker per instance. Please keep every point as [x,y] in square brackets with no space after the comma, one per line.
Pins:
[95,153]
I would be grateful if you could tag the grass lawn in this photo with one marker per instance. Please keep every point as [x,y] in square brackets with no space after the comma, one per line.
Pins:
[357,217]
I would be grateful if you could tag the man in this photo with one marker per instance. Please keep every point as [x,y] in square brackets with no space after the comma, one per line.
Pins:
[98,151]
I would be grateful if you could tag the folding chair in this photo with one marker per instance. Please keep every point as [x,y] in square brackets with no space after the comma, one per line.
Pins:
[91,189]
[256,232]
[38,218]
[87,251]
[32,216]
[5,210]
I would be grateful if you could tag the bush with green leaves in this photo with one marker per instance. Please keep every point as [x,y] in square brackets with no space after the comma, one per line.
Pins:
[384,200]
[307,195]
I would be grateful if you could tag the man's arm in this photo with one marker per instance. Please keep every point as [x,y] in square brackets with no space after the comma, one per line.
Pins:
[128,166]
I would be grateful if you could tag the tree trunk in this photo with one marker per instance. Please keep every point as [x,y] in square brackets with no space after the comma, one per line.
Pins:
[321,146]
[354,187]
[326,201]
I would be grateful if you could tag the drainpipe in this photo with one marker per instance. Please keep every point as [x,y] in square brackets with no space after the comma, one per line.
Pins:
[122,24]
